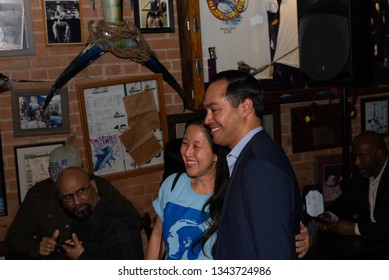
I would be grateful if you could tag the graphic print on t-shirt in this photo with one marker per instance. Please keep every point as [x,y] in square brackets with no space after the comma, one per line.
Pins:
[182,230]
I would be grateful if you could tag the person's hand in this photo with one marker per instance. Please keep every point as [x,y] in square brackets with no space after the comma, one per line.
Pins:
[303,241]
[342,227]
[73,252]
[323,221]
[47,244]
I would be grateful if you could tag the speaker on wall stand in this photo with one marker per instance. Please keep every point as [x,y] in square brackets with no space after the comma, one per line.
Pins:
[334,41]
[335,49]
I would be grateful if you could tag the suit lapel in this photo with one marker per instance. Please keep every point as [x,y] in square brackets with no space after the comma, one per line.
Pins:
[254,139]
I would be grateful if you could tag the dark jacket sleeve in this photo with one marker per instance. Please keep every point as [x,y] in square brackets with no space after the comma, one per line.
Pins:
[20,235]
[121,241]
[113,196]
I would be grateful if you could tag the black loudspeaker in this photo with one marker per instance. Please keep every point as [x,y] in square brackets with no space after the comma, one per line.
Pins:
[334,41]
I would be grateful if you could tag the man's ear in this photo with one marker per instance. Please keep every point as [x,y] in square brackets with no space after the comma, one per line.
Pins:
[93,185]
[246,106]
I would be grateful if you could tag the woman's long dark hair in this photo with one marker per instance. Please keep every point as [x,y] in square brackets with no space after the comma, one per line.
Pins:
[215,202]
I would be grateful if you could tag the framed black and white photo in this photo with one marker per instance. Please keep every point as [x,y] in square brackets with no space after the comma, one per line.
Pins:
[154,16]
[124,126]
[29,117]
[62,22]
[374,114]
[16,28]
[32,165]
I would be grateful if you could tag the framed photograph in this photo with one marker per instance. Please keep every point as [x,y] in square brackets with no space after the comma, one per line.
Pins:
[16,28]
[176,123]
[271,121]
[328,173]
[374,115]
[32,165]
[154,16]
[124,126]
[316,127]
[62,22]
[29,117]
[3,194]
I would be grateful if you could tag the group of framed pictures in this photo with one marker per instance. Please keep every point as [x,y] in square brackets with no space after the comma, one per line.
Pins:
[63,23]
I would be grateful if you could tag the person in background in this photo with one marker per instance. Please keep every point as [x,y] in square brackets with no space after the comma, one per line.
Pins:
[363,207]
[41,213]
[154,14]
[262,206]
[60,21]
[100,231]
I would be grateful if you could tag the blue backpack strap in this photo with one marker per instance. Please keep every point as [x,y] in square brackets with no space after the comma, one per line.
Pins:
[178,175]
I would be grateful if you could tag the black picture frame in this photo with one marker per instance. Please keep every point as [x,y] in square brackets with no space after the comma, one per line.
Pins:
[26,105]
[142,15]
[374,114]
[3,194]
[176,123]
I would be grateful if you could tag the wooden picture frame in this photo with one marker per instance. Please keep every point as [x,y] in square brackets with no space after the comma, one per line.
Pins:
[105,121]
[63,25]
[271,121]
[374,115]
[29,118]
[3,193]
[316,127]
[328,173]
[146,21]
[176,123]
[16,29]
[32,165]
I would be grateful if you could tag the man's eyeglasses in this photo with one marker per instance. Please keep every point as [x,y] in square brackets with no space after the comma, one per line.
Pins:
[80,193]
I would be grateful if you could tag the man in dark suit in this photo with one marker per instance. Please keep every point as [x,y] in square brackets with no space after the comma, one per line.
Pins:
[363,207]
[262,208]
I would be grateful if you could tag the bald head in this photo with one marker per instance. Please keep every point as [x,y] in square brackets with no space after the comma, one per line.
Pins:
[77,191]
[369,152]
[71,175]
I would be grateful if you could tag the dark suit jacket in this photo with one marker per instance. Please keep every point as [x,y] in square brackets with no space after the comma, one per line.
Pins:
[262,207]
[353,204]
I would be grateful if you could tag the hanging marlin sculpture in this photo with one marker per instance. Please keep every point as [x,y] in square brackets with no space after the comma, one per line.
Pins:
[119,37]
[6,83]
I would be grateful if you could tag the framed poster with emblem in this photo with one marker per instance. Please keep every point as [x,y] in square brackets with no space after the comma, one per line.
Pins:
[209,30]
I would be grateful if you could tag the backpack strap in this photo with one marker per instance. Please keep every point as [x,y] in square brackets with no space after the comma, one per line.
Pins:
[178,175]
